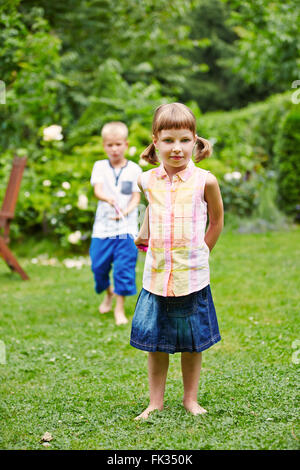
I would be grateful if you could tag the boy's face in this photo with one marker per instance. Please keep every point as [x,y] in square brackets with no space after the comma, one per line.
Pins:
[115,146]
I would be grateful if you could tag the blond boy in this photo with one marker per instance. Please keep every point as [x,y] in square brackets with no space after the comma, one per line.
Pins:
[115,185]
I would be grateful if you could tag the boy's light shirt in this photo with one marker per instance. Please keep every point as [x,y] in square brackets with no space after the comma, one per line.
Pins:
[104,224]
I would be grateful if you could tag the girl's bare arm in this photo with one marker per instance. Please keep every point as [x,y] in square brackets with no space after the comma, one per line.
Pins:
[143,235]
[215,210]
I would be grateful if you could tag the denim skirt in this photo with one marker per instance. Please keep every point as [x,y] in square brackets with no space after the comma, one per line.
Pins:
[175,324]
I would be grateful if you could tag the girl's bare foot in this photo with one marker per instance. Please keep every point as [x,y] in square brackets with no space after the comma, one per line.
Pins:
[194,408]
[147,411]
[120,317]
[105,307]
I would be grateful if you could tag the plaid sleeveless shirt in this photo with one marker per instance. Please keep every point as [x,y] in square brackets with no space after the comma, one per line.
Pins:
[177,257]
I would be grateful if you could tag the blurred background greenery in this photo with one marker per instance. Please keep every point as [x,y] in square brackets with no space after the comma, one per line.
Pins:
[80,64]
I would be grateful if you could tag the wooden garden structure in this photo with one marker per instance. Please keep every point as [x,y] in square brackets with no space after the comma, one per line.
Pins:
[7,213]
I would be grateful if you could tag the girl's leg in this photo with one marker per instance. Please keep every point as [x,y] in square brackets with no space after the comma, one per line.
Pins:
[120,317]
[158,363]
[191,367]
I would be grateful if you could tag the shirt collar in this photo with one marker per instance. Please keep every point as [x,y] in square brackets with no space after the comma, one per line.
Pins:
[183,174]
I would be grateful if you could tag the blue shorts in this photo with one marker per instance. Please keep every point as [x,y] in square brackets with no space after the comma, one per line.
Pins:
[175,324]
[120,252]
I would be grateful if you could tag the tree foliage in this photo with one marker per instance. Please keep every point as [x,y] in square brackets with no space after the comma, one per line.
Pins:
[267,53]
[31,70]
[211,82]
[146,38]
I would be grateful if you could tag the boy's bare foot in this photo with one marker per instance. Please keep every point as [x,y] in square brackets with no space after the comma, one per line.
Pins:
[105,307]
[194,408]
[120,317]
[147,411]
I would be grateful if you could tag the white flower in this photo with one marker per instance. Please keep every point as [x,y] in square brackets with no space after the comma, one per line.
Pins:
[77,263]
[68,207]
[52,133]
[60,194]
[132,151]
[46,183]
[52,262]
[82,202]
[142,162]
[236,175]
[66,185]
[53,221]
[26,194]
[74,237]
[228,176]
[72,263]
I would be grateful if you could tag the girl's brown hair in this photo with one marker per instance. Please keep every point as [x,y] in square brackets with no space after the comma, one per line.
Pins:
[176,116]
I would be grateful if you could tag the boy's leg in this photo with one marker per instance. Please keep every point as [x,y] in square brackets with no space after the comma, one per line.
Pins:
[105,306]
[120,317]
[101,253]
[158,363]
[125,257]
[191,368]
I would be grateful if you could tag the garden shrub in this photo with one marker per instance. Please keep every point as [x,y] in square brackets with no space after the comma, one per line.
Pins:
[244,139]
[287,162]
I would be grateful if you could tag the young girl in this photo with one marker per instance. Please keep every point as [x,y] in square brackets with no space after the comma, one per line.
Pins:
[175,310]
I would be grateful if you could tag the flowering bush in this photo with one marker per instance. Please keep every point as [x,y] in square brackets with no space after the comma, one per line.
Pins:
[53,132]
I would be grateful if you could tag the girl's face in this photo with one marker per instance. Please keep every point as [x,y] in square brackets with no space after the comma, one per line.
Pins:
[175,148]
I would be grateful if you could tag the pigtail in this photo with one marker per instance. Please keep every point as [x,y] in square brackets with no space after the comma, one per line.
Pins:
[150,155]
[203,149]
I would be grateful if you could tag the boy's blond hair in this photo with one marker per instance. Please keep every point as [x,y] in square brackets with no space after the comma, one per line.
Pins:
[114,128]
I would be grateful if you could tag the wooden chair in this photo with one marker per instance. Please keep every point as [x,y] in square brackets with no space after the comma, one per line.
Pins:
[7,213]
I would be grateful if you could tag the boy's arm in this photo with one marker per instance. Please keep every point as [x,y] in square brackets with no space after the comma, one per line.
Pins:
[133,203]
[135,199]
[212,195]
[98,191]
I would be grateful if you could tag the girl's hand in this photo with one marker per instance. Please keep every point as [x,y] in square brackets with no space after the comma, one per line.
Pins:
[141,241]
[142,248]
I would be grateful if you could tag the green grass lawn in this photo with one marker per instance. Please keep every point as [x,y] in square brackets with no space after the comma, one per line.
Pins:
[70,371]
